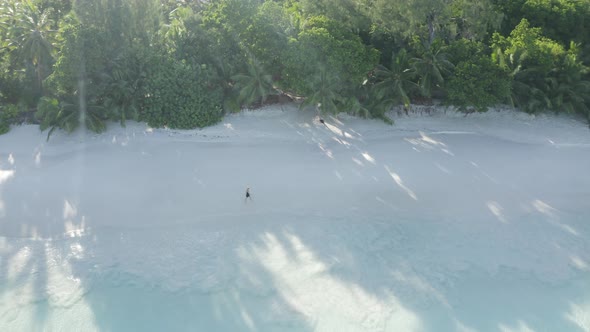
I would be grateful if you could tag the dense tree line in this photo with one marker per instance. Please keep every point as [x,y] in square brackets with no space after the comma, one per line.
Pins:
[184,64]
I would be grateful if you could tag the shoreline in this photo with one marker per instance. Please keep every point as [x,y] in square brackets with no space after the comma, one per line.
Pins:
[396,113]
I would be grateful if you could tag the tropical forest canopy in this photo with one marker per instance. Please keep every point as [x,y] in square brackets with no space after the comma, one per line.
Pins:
[184,64]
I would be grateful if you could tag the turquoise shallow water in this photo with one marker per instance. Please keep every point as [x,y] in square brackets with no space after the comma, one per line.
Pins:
[481,303]
[302,273]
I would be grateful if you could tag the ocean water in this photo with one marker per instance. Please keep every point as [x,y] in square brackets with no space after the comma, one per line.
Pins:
[299,272]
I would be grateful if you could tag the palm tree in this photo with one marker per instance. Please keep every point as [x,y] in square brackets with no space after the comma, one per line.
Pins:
[68,116]
[30,36]
[395,84]
[567,88]
[8,19]
[527,92]
[221,76]
[326,96]
[431,66]
[121,85]
[177,28]
[255,85]
[354,106]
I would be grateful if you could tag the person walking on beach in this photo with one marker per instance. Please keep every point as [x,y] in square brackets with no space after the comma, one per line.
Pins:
[248,197]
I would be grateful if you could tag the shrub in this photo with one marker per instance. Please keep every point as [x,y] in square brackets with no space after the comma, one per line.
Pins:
[9,114]
[177,96]
[326,45]
[478,83]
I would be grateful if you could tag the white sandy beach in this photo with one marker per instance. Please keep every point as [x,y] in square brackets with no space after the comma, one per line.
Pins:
[441,222]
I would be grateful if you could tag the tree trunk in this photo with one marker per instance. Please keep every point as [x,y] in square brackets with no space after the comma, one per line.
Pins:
[39,70]
[431,30]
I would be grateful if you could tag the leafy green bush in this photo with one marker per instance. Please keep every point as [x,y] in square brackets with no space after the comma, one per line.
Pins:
[4,123]
[464,49]
[4,127]
[326,45]
[177,97]
[478,83]
[561,20]
[9,114]
[567,87]
[546,75]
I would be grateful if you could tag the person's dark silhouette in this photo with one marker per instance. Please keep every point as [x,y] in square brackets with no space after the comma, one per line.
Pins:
[248,196]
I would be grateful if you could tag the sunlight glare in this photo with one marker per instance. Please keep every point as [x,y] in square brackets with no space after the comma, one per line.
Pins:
[429,143]
[335,130]
[326,151]
[74,230]
[38,158]
[69,210]
[247,319]
[18,262]
[580,264]
[430,140]
[368,157]
[356,133]
[358,162]
[521,327]
[71,227]
[448,152]
[400,183]
[544,208]
[496,210]
[343,142]
[339,132]
[306,284]
[77,251]
[460,327]
[335,119]
[552,216]
[5,175]
[442,168]
[382,201]
[580,315]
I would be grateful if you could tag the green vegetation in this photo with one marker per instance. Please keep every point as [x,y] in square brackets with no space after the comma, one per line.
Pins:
[184,64]
[477,82]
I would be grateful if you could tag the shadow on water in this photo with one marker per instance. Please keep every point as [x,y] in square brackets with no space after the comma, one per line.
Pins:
[279,278]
